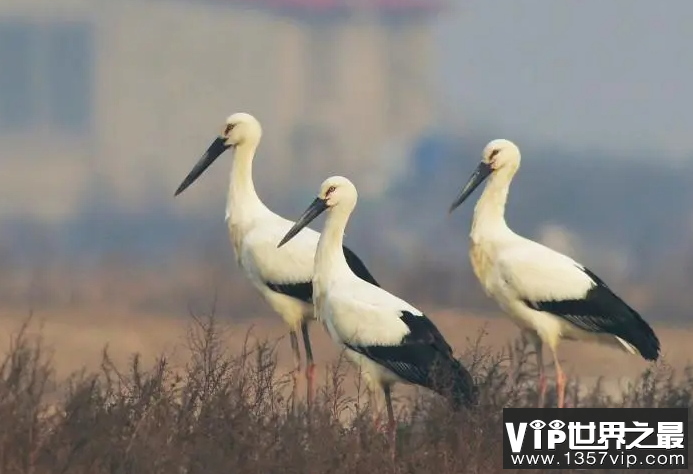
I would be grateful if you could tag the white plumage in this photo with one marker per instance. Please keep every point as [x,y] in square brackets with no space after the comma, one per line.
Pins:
[389,339]
[283,276]
[549,295]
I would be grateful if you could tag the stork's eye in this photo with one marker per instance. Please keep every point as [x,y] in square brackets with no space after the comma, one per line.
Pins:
[494,153]
[228,128]
[330,190]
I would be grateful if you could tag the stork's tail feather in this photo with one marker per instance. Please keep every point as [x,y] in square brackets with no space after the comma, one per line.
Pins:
[640,336]
[630,329]
[646,342]
[456,384]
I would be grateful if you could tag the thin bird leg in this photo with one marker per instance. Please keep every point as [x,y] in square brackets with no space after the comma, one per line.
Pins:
[310,365]
[297,365]
[374,407]
[538,346]
[391,426]
[560,381]
[374,391]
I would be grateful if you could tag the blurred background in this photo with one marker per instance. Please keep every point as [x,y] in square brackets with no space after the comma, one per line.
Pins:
[106,105]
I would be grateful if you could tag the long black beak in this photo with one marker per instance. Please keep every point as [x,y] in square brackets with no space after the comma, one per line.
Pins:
[217,147]
[480,174]
[316,208]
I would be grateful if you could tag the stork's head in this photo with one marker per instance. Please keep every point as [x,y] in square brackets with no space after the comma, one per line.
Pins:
[500,153]
[335,192]
[499,156]
[239,129]
[338,190]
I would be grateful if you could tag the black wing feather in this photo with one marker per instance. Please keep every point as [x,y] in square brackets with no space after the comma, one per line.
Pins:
[358,267]
[423,357]
[301,291]
[304,290]
[601,311]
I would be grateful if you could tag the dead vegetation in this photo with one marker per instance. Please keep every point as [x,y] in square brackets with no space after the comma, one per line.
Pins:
[231,411]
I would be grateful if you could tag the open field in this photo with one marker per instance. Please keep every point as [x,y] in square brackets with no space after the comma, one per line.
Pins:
[78,336]
[209,410]
[204,408]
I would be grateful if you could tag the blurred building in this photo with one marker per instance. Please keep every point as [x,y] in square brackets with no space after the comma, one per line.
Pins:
[122,96]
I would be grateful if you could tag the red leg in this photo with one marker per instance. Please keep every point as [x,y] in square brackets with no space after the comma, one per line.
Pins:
[560,385]
[542,389]
[531,336]
[297,367]
[310,365]
[540,368]
[560,382]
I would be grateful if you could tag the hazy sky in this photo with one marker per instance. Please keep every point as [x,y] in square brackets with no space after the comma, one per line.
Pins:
[613,74]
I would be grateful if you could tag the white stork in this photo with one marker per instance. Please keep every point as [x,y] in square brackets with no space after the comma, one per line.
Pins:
[283,276]
[390,340]
[549,295]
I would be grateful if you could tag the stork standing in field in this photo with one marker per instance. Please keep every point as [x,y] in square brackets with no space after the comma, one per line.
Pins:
[550,296]
[283,276]
[390,340]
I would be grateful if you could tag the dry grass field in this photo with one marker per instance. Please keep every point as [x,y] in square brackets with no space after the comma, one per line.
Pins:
[105,379]
[78,336]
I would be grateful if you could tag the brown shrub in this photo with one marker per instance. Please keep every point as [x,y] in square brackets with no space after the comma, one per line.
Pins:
[228,413]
